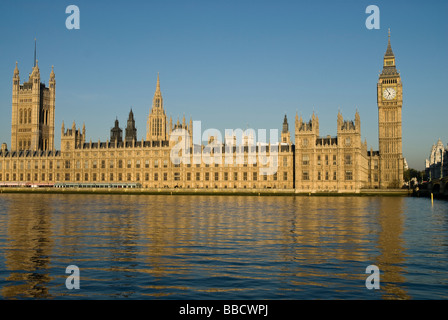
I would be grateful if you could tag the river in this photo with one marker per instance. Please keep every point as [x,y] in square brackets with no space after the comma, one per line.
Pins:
[222,247]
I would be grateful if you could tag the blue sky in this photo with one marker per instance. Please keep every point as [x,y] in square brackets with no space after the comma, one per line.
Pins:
[231,64]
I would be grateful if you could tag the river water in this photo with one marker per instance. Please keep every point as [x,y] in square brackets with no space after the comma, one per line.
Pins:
[222,247]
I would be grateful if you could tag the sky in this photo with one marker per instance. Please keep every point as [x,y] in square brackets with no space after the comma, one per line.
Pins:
[231,64]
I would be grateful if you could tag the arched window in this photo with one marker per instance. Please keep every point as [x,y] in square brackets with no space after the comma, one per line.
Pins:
[20,116]
[29,115]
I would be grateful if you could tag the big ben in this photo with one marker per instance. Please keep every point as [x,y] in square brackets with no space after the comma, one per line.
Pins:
[390,103]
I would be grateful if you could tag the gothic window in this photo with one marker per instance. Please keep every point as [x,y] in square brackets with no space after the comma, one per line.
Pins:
[305,159]
[20,116]
[305,175]
[348,175]
[348,159]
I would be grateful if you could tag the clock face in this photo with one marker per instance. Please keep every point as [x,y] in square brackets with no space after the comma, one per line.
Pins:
[389,93]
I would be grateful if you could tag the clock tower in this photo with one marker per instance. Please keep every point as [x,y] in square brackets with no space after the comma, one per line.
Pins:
[390,102]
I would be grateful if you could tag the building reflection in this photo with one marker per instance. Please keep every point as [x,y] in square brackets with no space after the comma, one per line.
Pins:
[331,238]
[390,244]
[162,244]
[29,247]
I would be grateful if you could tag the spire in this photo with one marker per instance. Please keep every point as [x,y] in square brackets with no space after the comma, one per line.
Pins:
[157,101]
[389,52]
[389,68]
[35,56]
[16,70]
[285,128]
[52,72]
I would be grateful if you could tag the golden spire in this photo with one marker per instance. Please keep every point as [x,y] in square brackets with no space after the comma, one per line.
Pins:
[16,69]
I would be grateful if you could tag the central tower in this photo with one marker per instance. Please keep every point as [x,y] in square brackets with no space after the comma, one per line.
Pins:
[156,125]
[390,102]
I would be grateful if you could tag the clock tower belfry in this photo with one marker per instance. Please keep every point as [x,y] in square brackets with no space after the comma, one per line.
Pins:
[390,102]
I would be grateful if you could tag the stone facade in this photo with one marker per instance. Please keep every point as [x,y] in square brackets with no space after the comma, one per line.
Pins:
[33,107]
[314,164]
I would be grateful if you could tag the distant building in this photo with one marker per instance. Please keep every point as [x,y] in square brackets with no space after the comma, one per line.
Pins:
[437,165]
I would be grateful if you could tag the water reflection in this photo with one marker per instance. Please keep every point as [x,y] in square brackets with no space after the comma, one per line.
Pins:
[390,244]
[29,245]
[198,247]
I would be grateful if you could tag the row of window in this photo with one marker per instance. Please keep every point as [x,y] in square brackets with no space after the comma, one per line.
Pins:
[327,175]
[110,164]
[176,175]
[325,160]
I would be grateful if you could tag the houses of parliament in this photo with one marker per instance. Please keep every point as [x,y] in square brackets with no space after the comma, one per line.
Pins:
[314,163]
